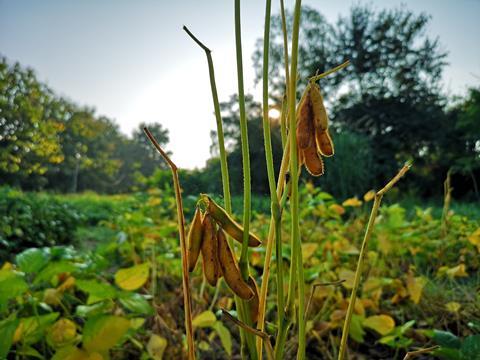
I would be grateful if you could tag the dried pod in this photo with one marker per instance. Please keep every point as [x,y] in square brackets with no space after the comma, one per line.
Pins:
[313,161]
[229,225]
[209,249]
[230,269]
[195,237]
[305,126]
[324,143]
[320,117]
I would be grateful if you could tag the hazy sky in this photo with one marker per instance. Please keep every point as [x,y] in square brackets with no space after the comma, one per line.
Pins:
[132,61]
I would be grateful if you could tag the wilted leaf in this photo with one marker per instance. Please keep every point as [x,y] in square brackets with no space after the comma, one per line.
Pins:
[348,276]
[369,195]
[415,287]
[353,202]
[32,329]
[382,324]
[204,319]
[338,209]
[308,249]
[61,333]
[133,277]
[457,271]
[156,346]
[453,306]
[474,239]
[103,332]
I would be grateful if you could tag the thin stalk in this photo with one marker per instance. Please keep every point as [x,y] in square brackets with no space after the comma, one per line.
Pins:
[296,242]
[243,261]
[221,147]
[326,73]
[218,118]
[275,206]
[187,303]
[368,233]
[283,121]
[285,44]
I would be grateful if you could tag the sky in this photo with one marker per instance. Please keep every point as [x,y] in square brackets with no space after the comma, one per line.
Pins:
[132,62]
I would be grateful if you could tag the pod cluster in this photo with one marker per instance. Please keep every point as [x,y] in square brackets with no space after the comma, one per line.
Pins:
[207,235]
[313,138]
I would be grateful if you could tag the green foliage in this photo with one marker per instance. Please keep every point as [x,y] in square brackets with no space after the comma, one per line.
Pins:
[30,220]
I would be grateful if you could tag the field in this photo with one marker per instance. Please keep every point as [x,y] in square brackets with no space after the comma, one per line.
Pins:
[116,283]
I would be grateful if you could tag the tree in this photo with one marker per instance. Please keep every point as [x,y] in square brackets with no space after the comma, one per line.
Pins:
[30,123]
[391,92]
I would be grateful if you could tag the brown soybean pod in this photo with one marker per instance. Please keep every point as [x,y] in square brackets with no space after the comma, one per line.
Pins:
[229,225]
[320,116]
[230,269]
[195,237]
[305,126]
[313,161]
[209,251]
[324,143]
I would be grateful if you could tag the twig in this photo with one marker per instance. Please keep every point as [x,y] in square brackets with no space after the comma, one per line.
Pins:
[412,354]
[314,287]
[328,72]
[181,230]
[358,273]
[265,337]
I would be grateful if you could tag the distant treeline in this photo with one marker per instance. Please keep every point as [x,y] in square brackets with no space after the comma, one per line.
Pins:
[386,108]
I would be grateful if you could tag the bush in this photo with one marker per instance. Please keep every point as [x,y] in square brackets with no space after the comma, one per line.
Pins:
[33,220]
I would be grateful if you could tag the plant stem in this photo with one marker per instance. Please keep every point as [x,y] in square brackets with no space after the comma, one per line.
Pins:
[328,72]
[285,44]
[296,242]
[243,261]
[187,304]
[221,147]
[368,233]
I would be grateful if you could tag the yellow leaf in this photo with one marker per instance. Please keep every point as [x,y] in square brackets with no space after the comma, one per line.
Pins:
[61,333]
[156,346]
[308,249]
[7,266]
[457,271]
[369,196]
[103,332]
[348,276]
[453,306]
[382,324]
[474,239]
[415,287]
[340,210]
[133,277]
[67,284]
[204,319]
[354,202]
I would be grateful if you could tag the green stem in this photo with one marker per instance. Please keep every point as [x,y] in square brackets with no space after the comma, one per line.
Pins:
[296,242]
[361,258]
[285,44]
[243,261]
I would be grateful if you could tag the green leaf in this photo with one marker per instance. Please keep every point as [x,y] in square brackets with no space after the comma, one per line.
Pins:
[225,336]
[94,309]
[447,353]
[32,260]
[12,285]
[32,329]
[446,339]
[136,303]
[53,269]
[103,332]
[356,330]
[7,330]
[97,290]
[471,348]
[204,319]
